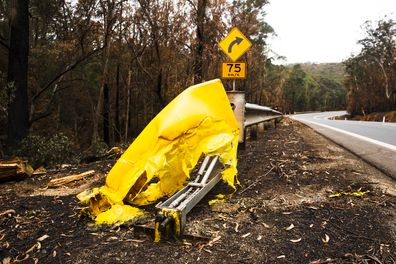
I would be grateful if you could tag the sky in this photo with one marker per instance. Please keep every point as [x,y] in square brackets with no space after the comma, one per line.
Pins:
[321,31]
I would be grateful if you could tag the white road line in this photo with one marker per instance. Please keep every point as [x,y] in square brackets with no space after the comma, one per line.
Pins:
[364,123]
[379,143]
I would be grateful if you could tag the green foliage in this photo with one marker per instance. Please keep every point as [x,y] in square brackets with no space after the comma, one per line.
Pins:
[97,150]
[312,93]
[295,89]
[331,71]
[314,87]
[46,151]
[7,94]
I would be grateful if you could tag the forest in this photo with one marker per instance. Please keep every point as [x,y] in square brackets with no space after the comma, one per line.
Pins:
[371,74]
[82,76]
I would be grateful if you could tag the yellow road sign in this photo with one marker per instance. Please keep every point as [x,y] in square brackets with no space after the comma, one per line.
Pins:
[235,44]
[233,70]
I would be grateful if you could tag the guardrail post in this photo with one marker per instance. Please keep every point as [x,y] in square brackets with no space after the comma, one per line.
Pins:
[253,132]
[251,118]
[261,128]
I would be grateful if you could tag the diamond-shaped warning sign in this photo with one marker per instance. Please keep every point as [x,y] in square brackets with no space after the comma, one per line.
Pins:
[235,44]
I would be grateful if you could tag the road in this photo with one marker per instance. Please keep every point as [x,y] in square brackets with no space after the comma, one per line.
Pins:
[375,142]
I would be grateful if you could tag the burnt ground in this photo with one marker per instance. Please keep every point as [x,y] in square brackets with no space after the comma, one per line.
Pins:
[280,213]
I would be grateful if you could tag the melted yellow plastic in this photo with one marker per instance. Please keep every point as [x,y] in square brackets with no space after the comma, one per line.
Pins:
[118,214]
[220,198]
[158,163]
[357,194]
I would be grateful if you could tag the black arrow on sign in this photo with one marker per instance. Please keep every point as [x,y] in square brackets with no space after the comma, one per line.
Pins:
[236,41]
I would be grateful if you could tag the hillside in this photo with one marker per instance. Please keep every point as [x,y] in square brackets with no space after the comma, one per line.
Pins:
[315,87]
[332,71]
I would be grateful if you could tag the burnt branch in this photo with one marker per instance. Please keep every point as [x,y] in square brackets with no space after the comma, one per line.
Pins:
[68,69]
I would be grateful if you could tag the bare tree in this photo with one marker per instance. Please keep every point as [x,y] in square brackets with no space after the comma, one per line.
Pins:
[200,15]
[18,115]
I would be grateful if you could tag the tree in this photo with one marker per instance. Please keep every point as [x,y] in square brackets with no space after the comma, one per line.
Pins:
[371,75]
[380,46]
[18,113]
[200,14]
[295,89]
[100,66]
[149,8]
[108,10]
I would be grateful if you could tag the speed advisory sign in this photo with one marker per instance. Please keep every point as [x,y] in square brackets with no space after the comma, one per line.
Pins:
[233,70]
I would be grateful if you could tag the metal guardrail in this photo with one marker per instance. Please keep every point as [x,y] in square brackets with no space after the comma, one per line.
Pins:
[248,115]
[255,114]
[257,107]
[172,213]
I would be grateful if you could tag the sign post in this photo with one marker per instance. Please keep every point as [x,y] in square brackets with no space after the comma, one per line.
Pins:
[234,45]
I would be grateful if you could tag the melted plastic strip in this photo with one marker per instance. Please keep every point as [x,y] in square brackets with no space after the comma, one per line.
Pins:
[357,194]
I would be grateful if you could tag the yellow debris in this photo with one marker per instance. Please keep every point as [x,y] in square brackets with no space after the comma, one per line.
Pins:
[219,199]
[357,194]
[118,214]
[158,163]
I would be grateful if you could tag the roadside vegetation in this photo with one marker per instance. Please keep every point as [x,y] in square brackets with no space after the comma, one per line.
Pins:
[371,74]
[97,72]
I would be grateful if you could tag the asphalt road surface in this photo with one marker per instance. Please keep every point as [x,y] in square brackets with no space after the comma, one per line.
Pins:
[375,142]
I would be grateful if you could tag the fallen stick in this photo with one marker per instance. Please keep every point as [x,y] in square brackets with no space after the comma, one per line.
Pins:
[257,180]
[10,211]
[68,179]
[39,171]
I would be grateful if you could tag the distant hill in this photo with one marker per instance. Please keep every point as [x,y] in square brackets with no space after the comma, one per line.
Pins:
[332,71]
[318,87]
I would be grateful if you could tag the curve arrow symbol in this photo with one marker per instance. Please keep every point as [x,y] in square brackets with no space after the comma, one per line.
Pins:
[236,41]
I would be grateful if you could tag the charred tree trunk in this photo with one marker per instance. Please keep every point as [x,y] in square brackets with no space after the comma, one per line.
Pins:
[108,18]
[106,108]
[98,117]
[18,112]
[127,106]
[145,5]
[117,133]
[198,59]
[158,89]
